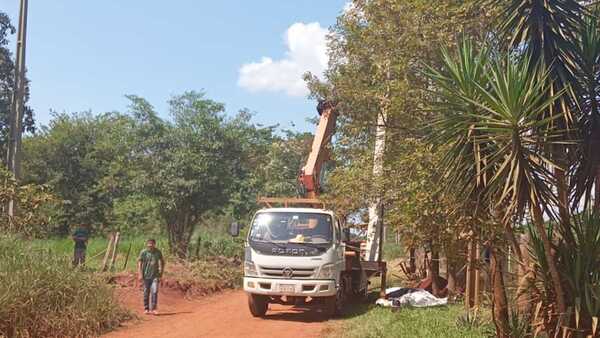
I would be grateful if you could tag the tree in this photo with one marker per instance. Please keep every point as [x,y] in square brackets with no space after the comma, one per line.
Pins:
[497,135]
[587,87]
[189,165]
[85,161]
[33,220]
[377,49]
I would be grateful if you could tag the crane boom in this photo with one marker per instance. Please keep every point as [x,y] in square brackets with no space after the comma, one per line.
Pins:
[309,178]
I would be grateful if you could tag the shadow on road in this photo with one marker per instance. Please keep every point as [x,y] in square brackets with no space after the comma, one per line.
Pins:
[172,313]
[297,313]
[314,313]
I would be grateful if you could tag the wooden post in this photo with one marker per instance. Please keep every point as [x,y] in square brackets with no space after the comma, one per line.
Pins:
[127,256]
[114,253]
[524,305]
[477,282]
[17,107]
[107,253]
[382,264]
[383,267]
[470,283]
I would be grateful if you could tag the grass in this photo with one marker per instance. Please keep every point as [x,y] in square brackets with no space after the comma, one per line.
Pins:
[209,245]
[211,266]
[95,250]
[41,295]
[365,321]
[392,251]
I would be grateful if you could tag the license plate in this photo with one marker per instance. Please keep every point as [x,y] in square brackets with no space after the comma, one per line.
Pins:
[286,288]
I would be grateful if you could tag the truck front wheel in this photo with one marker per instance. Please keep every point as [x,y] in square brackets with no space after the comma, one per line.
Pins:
[258,305]
[334,305]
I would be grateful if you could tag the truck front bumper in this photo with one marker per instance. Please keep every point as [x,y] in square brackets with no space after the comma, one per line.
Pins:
[290,287]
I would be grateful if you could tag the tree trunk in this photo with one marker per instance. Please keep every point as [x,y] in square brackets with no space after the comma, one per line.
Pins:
[538,220]
[524,276]
[451,277]
[473,276]
[499,304]
[412,261]
[434,267]
[177,244]
[178,237]
[179,230]
[563,205]
[597,190]
[524,305]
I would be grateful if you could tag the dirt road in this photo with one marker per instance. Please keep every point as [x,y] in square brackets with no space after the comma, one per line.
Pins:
[221,315]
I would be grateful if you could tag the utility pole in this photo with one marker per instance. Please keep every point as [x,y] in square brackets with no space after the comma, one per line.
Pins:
[375,229]
[17,104]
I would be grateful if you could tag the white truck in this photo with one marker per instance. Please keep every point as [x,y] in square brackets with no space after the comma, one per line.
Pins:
[295,255]
[299,253]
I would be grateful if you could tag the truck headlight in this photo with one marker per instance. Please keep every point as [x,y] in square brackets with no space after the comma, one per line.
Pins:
[327,271]
[250,269]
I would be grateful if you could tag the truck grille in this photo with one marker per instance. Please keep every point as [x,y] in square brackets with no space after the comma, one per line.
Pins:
[278,272]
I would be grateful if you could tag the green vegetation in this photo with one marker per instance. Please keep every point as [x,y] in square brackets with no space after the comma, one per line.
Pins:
[372,321]
[43,296]
[139,174]
[491,114]
[492,121]
[63,247]
[204,247]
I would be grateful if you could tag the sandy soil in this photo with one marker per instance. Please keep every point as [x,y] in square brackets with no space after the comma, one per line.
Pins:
[222,315]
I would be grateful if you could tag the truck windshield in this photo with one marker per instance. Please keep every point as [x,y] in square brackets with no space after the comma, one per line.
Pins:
[291,227]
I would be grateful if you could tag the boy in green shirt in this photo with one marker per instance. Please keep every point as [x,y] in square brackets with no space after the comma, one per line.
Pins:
[150,269]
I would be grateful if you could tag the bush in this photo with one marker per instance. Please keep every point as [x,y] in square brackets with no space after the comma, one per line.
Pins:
[209,245]
[41,295]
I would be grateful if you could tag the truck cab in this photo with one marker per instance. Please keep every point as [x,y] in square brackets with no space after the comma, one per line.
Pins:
[292,256]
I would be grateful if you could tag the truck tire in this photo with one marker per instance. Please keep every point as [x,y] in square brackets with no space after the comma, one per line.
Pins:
[330,306]
[258,305]
[334,305]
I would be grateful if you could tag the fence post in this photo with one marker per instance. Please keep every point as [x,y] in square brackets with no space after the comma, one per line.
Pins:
[127,256]
[107,253]
[114,253]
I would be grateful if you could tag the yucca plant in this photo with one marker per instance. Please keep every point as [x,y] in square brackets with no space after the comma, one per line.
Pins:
[579,266]
[580,263]
[492,113]
[587,169]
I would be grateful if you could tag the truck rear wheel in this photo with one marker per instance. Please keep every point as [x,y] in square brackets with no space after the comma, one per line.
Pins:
[258,305]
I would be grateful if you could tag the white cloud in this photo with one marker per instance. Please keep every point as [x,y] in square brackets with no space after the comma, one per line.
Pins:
[306,51]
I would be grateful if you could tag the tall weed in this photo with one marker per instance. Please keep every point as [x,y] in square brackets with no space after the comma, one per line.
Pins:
[41,295]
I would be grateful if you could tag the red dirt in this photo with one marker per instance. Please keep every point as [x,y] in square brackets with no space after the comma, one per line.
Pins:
[222,315]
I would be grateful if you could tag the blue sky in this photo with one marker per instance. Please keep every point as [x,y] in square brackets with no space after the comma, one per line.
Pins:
[85,55]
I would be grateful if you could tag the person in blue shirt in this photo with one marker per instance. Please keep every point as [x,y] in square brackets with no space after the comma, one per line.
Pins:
[80,237]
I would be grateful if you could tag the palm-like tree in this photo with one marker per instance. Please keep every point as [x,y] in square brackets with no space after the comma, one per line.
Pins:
[548,31]
[587,87]
[493,114]
[521,134]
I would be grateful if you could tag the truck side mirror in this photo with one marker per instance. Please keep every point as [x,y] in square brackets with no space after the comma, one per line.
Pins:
[234,229]
[345,234]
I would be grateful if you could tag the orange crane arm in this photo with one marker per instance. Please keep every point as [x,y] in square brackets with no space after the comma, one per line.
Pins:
[309,177]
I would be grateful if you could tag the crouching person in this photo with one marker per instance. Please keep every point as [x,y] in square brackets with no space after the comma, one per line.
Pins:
[150,269]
